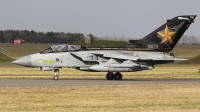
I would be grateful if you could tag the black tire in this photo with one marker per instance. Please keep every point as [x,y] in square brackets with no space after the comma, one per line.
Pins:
[118,76]
[110,76]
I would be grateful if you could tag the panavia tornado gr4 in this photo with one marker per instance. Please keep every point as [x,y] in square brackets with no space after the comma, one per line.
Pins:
[139,55]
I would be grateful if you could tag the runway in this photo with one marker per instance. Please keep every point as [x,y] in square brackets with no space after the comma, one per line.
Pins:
[90,82]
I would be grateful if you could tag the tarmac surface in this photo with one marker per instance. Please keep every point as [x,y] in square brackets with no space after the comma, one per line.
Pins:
[90,82]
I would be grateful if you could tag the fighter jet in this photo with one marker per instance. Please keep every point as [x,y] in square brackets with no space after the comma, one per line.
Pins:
[139,55]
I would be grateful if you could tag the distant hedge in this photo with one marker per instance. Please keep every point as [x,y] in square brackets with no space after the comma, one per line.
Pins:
[7,36]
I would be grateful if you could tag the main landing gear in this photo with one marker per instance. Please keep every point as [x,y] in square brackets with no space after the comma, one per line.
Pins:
[55,77]
[116,76]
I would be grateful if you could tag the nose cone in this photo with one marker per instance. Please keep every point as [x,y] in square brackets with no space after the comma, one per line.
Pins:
[23,61]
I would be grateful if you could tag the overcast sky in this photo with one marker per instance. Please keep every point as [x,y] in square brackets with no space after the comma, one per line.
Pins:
[130,18]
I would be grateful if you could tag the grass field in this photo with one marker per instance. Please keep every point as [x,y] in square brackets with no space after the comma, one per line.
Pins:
[19,50]
[4,58]
[186,51]
[128,98]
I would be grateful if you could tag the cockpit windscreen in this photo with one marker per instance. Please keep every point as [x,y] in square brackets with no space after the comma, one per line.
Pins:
[61,48]
[48,50]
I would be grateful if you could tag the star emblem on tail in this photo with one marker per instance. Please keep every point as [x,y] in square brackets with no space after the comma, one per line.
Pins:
[166,35]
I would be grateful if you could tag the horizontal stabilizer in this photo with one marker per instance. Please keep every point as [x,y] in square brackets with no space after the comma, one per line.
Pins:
[180,59]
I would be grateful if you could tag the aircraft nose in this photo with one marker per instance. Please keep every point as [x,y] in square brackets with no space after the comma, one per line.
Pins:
[23,61]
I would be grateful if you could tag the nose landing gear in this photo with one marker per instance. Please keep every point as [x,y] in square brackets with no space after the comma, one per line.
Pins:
[55,77]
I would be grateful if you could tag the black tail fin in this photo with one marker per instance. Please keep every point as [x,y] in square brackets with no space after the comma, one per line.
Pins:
[166,36]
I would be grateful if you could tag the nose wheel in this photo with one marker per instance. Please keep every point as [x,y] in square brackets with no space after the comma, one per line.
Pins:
[116,76]
[55,77]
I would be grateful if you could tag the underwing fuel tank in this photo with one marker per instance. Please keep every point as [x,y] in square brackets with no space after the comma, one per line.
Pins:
[104,68]
[122,65]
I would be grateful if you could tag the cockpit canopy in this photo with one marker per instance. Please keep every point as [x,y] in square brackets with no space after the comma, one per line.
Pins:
[61,48]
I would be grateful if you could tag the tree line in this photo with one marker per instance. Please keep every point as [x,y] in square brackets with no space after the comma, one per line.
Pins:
[8,36]
[189,40]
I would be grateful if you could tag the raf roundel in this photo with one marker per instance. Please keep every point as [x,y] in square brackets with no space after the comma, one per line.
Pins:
[57,59]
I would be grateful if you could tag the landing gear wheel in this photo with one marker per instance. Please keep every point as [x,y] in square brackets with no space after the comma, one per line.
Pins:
[118,76]
[110,76]
[55,77]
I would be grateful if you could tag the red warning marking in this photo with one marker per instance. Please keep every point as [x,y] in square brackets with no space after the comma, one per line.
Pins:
[187,25]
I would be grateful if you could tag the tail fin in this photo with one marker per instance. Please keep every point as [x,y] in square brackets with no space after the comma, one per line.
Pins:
[167,36]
